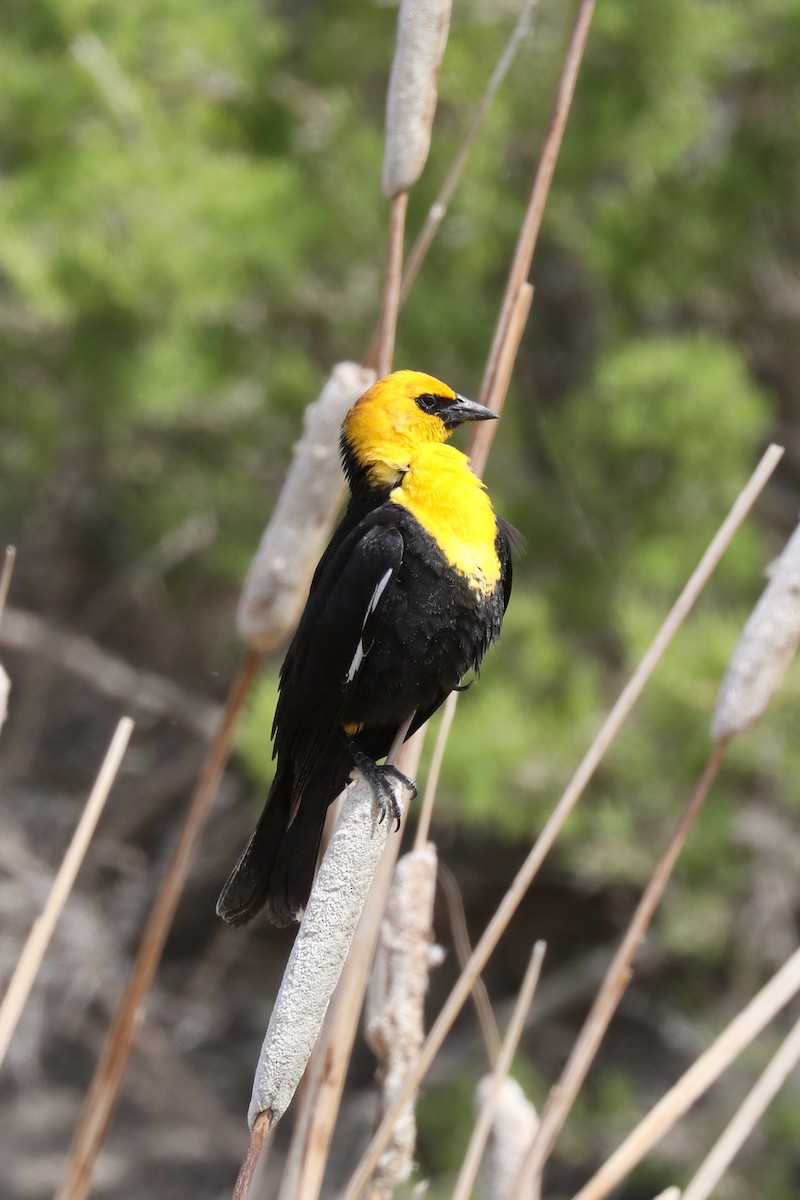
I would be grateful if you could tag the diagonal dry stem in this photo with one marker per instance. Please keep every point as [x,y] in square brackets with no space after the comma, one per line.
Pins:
[483,1125]
[746,1118]
[438,209]
[104,1090]
[529,232]
[570,798]
[9,559]
[742,1030]
[30,960]
[518,295]
[391,293]
[563,1095]
[463,949]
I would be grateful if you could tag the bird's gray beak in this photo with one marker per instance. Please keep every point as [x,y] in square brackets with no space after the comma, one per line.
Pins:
[463,409]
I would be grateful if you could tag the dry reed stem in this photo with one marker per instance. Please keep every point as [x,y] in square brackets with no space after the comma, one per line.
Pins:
[9,559]
[104,1089]
[5,583]
[30,960]
[480,1133]
[325,1075]
[741,1031]
[391,292]
[583,1053]
[483,434]
[463,949]
[764,650]
[280,573]
[432,781]
[529,232]
[569,799]
[255,1147]
[5,690]
[746,1118]
[438,209]
[671,1193]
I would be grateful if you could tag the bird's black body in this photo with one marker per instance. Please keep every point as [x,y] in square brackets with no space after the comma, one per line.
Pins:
[389,630]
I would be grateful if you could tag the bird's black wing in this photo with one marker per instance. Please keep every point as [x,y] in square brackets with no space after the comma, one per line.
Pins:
[333,637]
[509,540]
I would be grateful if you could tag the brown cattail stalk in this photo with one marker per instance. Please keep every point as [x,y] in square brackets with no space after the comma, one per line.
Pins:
[746,1118]
[570,798]
[490,1091]
[438,209]
[107,1081]
[611,991]
[5,583]
[9,559]
[742,1030]
[30,960]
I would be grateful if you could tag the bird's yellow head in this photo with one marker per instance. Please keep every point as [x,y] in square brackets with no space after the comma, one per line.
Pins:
[394,419]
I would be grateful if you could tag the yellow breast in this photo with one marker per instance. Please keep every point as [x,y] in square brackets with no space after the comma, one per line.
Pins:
[451,503]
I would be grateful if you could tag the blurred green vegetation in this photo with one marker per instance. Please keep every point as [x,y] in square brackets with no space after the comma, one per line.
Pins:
[191,234]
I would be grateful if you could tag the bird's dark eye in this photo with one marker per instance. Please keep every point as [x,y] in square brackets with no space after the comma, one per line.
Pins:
[427,403]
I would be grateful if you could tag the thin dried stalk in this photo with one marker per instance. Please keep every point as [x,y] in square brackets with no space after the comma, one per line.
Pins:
[5,583]
[482,438]
[563,1095]
[279,576]
[463,949]
[746,1118]
[742,1030]
[432,781]
[488,1104]
[326,1074]
[529,232]
[438,209]
[258,1137]
[30,960]
[518,295]
[671,1193]
[104,1090]
[391,292]
[764,650]
[422,27]
[570,798]
[9,559]
[5,690]
[394,1018]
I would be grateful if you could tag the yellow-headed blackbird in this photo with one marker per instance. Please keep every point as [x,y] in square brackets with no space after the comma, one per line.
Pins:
[405,601]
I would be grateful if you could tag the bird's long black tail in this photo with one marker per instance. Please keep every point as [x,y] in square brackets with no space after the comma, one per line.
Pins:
[276,869]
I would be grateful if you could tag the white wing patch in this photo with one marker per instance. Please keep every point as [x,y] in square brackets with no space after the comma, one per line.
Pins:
[358,657]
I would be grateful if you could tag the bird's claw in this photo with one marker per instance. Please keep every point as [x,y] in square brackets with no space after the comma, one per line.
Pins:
[378,779]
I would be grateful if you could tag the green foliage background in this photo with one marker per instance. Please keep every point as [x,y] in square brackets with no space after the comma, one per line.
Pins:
[191,234]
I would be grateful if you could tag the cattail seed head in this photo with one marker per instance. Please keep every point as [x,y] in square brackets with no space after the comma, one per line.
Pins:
[764,650]
[422,27]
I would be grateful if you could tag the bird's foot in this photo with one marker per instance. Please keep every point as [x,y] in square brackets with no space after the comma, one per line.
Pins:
[378,779]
